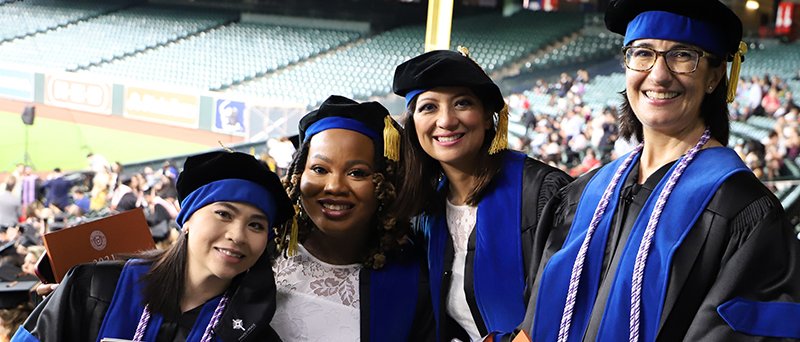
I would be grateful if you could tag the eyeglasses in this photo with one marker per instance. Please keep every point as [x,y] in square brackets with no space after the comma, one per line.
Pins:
[679,60]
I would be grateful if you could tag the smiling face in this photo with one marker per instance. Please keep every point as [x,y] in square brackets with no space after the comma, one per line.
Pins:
[338,193]
[225,239]
[666,102]
[451,125]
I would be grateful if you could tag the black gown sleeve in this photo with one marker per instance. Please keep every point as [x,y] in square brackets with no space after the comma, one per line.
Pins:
[75,310]
[541,184]
[760,262]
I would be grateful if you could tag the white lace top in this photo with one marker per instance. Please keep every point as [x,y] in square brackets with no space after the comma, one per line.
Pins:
[460,223]
[316,301]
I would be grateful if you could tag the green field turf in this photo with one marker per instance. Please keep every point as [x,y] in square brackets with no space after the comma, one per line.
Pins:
[54,143]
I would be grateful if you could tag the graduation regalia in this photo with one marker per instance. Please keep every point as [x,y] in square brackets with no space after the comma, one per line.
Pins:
[394,303]
[736,250]
[701,251]
[106,299]
[499,248]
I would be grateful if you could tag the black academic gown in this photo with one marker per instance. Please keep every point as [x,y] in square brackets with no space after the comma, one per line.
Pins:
[540,182]
[76,310]
[741,246]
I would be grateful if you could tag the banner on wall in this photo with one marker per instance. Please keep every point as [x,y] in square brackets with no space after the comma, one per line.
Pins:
[177,109]
[229,117]
[70,91]
[274,120]
[17,85]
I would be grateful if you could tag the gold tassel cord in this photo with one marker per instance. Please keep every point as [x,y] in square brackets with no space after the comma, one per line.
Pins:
[292,248]
[463,50]
[226,148]
[500,141]
[391,140]
[736,66]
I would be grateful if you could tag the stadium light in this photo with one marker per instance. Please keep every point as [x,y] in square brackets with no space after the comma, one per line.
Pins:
[752,5]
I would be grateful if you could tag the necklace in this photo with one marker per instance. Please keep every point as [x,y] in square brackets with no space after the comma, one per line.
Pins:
[644,247]
[207,334]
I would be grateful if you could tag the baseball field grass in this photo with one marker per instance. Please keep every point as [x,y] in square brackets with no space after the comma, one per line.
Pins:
[57,143]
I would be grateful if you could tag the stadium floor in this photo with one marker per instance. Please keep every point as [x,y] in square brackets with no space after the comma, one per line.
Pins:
[62,138]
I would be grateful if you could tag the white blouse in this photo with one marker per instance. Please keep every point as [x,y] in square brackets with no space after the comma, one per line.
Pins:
[316,301]
[460,222]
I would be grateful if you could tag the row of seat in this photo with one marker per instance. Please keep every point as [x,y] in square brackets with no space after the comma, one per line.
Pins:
[37,16]
[110,37]
[227,55]
[366,69]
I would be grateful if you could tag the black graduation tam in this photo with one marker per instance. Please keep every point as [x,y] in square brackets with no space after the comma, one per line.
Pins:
[708,24]
[14,293]
[295,139]
[10,272]
[160,231]
[368,118]
[196,191]
[445,68]
[8,248]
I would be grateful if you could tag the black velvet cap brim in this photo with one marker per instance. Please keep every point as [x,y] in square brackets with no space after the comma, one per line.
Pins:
[444,68]
[205,168]
[371,114]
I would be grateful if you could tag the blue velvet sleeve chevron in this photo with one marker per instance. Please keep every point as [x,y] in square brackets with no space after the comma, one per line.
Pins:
[769,319]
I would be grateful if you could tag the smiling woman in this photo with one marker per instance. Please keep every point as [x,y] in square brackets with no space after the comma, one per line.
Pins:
[345,269]
[215,274]
[677,240]
[477,204]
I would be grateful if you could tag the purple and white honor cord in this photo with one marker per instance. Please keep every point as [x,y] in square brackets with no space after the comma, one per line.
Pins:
[145,319]
[647,238]
[577,267]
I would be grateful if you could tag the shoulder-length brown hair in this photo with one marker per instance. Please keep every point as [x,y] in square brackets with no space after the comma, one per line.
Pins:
[389,229]
[713,110]
[421,173]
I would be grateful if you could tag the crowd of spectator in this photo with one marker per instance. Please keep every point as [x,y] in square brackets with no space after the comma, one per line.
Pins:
[32,205]
[578,138]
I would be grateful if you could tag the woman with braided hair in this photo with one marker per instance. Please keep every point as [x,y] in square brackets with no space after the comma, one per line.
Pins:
[345,268]
[677,240]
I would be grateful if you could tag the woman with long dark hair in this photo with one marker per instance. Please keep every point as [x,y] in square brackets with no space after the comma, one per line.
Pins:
[214,283]
[476,203]
[677,240]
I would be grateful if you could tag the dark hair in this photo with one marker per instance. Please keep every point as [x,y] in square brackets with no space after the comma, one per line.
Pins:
[168,271]
[713,111]
[421,173]
[13,318]
[382,241]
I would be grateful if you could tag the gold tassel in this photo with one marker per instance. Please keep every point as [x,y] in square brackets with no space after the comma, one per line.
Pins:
[391,140]
[292,248]
[500,141]
[226,148]
[736,66]
[463,50]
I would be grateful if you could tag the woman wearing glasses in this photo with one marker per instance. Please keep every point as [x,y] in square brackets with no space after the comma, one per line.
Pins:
[675,240]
